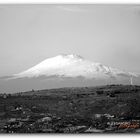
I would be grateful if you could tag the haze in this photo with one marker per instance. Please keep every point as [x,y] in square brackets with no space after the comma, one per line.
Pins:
[108,34]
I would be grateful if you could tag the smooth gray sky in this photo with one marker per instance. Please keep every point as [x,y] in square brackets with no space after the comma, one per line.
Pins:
[109,34]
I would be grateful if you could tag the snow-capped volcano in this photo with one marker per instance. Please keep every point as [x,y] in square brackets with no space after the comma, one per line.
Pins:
[73,66]
[66,71]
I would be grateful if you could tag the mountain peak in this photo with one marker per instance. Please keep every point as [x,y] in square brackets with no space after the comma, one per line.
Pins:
[72,65]
[72,56]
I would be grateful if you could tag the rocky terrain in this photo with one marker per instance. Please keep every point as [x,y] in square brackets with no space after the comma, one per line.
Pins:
[102,109]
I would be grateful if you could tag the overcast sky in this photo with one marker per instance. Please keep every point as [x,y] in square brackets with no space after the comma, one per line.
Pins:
[109,34]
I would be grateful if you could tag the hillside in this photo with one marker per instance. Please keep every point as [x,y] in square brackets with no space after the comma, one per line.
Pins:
[102,108]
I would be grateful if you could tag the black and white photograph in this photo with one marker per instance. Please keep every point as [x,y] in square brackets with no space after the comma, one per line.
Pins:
[69,68]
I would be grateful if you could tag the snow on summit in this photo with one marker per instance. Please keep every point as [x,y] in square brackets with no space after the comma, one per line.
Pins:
[72,66]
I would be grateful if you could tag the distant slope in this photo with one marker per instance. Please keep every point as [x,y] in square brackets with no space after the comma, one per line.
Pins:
[116,89]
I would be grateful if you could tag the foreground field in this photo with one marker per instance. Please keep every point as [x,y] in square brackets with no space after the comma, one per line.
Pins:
[106,109]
